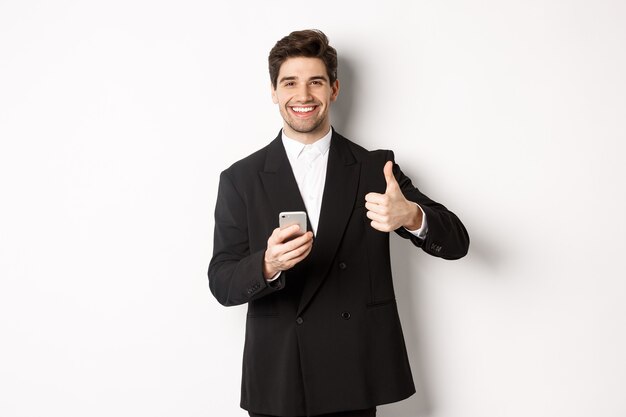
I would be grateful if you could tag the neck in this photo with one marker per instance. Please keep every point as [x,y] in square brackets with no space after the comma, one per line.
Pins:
[308,137]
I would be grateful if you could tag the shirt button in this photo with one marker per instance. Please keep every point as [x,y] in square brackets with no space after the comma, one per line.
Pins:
[342,265]
[346,315]
[299,320]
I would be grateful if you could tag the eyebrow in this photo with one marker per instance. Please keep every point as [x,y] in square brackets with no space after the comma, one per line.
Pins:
[293,78]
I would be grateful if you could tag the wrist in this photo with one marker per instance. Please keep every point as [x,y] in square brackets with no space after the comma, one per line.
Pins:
[415,217]
[268,271]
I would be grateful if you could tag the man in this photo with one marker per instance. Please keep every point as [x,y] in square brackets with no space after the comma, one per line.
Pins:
[323,335]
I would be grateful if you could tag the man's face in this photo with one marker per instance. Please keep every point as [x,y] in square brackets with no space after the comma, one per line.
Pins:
[303,93]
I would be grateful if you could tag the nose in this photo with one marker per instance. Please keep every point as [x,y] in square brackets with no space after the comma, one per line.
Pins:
[304,94]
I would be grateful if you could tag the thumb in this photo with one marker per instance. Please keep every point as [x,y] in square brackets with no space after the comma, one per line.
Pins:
[392,184]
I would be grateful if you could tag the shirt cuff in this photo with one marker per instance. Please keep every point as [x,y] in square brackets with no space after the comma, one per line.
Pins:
[275,277]
[421,232]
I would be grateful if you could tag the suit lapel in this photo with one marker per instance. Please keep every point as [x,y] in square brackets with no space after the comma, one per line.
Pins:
[279,182]
[340,188]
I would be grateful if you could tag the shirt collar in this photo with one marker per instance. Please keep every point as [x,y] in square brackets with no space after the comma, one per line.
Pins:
[294,148]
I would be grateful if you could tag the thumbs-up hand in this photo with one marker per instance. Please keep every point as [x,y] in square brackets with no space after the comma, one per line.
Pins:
[391,210]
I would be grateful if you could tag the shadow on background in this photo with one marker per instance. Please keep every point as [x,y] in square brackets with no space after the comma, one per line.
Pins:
[343,109]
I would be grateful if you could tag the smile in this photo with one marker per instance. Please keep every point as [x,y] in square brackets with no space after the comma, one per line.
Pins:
[303,110]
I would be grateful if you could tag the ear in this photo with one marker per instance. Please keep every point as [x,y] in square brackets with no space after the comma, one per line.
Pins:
[274,97]
[334,90]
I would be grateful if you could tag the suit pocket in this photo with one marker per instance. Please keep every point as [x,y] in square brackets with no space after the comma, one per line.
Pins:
[379,304]
[261,316]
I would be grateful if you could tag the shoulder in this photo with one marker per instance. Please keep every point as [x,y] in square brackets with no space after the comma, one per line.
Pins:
[362,155]
[254,162]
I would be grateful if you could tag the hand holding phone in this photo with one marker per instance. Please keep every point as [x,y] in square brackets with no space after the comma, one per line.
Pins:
[286,246]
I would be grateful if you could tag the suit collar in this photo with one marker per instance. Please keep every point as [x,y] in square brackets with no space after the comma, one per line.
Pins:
[293,148]
[276,156]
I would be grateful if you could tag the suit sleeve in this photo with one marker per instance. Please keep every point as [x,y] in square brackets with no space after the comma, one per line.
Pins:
[447,238]
[235,274]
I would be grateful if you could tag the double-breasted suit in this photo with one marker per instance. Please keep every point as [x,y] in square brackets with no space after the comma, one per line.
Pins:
[325,336]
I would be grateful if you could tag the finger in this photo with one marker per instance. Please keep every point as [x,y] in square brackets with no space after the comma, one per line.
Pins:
[274,237]
[297,242]
[289,259]
[297,252]
[389,178]
[376,217]
[380,226]
[298,259]
[280,235]
[288,232]
[377,208]
[276,242]
[375,198]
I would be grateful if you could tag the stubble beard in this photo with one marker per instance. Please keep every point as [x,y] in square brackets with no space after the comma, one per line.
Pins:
[305,129]
[302,127]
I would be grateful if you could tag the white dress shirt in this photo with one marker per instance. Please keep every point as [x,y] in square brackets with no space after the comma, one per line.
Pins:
[309,163]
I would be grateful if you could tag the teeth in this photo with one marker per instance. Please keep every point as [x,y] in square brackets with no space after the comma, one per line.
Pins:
[302,109]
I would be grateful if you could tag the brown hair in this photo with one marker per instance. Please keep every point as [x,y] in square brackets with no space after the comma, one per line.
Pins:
[310,43]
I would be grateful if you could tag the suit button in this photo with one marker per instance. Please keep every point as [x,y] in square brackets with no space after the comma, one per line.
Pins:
[342,265]
[435,247]
[299,320]
[346,315]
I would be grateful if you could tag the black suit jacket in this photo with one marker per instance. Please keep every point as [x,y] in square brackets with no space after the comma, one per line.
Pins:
[324,337]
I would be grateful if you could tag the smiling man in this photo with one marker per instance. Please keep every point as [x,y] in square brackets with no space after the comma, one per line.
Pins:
[303,93]
[323,337]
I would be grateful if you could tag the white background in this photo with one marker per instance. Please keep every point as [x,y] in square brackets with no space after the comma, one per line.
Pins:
[116,118]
